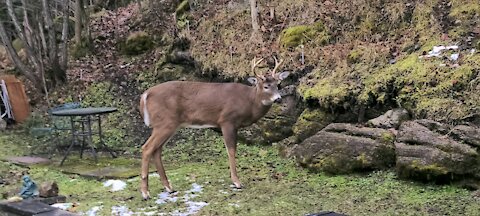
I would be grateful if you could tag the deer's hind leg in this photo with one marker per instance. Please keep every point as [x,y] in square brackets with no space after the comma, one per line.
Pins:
[159,136]
[157,158]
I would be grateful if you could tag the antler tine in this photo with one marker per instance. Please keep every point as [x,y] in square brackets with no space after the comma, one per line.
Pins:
[255,64]
[277,65]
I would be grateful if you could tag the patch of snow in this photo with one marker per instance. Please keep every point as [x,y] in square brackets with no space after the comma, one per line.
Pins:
[63,206]
[454,56]
[93,211]
[234,205]
[165,197]
[192,206]
[223,192]
[121,211]
[153,175]
[117,185]
[195,188]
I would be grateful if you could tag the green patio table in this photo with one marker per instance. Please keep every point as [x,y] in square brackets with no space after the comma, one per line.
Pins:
[84,116]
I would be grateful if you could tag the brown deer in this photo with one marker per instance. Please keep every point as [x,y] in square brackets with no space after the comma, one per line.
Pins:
[228,106]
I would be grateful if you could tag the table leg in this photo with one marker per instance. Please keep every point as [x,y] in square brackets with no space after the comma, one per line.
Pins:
[101,137]
[72,123]
[89,127]
[82,120]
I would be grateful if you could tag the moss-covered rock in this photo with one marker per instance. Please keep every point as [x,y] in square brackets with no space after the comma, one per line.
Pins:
[344,148]
[302,34]
[423,154]
[310,122]
[137,43]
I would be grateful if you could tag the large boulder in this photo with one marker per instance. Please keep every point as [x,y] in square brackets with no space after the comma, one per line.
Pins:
[391,119]
[344,148]
[427,151]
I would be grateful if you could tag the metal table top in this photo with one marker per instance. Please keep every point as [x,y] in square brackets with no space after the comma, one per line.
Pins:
[84,111]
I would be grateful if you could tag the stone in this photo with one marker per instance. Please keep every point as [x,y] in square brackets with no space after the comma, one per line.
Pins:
[391,119]
[31,207]
[424,153]
[469,134]
[27,160]
[345,148]
[48,189]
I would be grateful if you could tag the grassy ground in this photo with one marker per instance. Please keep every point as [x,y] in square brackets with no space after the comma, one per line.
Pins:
[273,185]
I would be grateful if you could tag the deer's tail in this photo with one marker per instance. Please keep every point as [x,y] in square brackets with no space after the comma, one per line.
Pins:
[143,103]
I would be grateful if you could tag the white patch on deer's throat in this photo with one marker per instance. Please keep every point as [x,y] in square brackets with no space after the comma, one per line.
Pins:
[146,116]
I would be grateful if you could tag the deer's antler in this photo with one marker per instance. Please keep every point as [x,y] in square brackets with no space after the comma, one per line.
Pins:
[277,65]
[255,64]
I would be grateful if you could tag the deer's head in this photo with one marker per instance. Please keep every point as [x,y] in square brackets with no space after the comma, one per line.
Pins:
[267,85]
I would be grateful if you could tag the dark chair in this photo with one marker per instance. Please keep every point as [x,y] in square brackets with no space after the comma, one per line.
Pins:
[56,127]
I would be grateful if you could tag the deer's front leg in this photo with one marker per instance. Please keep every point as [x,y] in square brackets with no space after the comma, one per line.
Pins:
[230,136]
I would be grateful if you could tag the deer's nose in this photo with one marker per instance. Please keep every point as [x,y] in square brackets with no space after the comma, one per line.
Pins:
[278,99]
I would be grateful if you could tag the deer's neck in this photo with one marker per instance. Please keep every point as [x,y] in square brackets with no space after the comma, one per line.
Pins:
[259,109]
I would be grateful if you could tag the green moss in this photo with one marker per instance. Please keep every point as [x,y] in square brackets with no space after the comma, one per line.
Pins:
[183,7]
[328,92]
[302,34]
[464,9]
[354,56]
[429,172]
[310,122]
[136,43]
[465,14]
[423,19]
[388,138]
[363,160]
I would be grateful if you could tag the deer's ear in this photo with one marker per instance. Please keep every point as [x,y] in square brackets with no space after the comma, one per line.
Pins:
[283,75]
[253,81]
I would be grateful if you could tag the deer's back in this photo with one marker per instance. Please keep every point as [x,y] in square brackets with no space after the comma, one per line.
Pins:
[198,103]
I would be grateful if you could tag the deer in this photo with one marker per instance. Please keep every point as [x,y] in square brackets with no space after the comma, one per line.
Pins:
[171,105]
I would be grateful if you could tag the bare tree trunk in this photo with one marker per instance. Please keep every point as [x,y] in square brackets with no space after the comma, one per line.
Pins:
[78,21]
[20,31]
[254,13]
[86,24]
[64,54]
[57,75]
[27,72]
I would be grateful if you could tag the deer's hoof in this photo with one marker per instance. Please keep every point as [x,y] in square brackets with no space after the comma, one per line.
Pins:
[170,190]
[145,195]
[237,185]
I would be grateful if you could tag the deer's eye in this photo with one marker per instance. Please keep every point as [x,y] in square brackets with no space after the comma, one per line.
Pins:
[265,87]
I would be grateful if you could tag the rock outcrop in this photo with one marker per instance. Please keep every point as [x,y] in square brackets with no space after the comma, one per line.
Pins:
[427,151]
[344,148]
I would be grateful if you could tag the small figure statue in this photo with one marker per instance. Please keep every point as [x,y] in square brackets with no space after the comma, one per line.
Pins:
[29,189]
